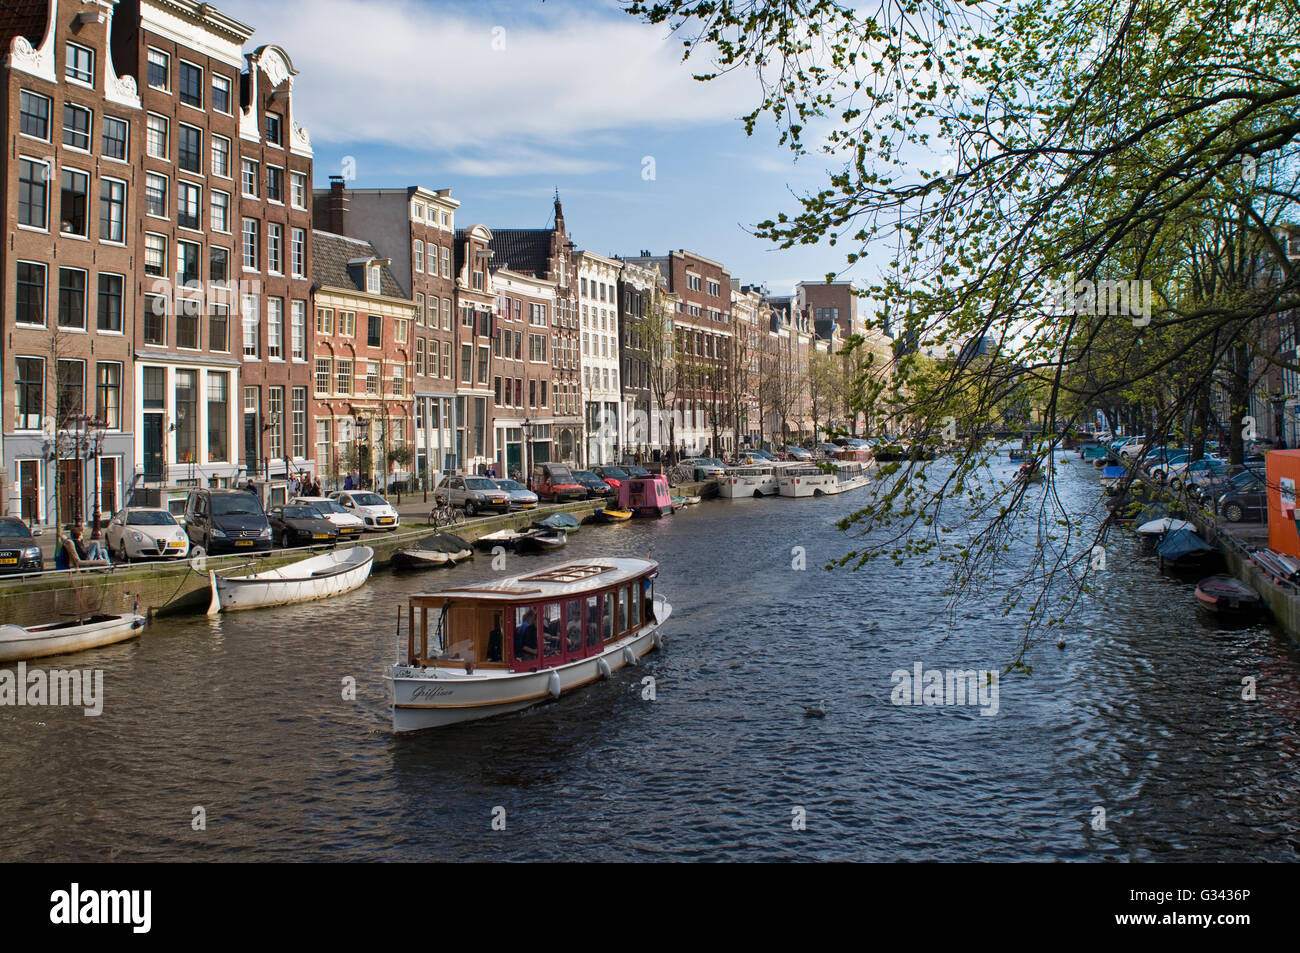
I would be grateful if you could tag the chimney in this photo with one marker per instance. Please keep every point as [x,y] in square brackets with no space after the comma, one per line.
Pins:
[338,206]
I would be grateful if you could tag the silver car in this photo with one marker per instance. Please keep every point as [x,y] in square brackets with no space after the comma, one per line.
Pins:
[521,498]
[472,493]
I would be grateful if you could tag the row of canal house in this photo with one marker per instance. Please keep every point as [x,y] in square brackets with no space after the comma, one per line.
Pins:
[182,308]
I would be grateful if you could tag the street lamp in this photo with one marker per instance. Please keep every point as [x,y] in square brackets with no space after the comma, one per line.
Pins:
[528,454]
[271,422]
[97,428]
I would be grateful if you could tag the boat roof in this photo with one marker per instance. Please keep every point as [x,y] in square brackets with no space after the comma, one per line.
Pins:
[554,582]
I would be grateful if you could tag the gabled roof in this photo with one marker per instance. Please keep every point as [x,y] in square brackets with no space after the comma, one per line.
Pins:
[525,250]
[330,255]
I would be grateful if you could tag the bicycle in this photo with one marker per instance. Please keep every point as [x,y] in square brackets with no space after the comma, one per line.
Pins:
[680,474]
[444,514]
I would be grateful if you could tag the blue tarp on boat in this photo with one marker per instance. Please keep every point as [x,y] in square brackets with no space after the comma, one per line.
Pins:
[1113,471]
[1182,543]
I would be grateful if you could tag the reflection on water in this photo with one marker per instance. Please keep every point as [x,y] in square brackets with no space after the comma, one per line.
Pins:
[243,715]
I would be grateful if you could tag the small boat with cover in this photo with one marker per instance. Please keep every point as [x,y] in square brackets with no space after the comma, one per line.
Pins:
[439,549]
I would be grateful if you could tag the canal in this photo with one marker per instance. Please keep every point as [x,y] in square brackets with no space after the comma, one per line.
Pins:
[1132,743]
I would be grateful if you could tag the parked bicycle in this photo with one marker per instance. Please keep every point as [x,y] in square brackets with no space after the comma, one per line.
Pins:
[444,514]
[680,474]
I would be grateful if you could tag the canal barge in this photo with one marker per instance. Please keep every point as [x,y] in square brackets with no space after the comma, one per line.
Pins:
[807,480]
[749,481]
[503,645]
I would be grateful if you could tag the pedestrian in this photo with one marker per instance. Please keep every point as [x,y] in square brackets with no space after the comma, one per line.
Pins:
[347,482]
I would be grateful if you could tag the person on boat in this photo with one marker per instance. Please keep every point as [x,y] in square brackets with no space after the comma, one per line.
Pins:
[526,636]
[496,640]
[551,635]
[573,635]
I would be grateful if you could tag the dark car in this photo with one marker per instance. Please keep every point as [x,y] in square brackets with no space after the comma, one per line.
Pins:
[19,551]
[227,521]
[301,525]
[1246,498]
[613,476]
[593,484]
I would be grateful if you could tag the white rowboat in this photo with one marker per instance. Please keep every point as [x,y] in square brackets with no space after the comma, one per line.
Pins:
[56,638]
[317,577]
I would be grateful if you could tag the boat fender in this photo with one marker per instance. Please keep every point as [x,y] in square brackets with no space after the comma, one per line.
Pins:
[603,668]
[629,656]
[553,684]
[659,640]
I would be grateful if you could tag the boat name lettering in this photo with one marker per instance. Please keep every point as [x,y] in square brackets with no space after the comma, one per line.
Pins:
[430,691]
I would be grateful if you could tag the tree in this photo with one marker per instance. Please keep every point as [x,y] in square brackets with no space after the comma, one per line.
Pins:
[652,333]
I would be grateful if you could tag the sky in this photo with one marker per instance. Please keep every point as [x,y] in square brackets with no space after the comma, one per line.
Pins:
[505,101]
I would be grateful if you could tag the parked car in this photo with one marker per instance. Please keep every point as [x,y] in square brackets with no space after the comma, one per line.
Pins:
[472,494]
[349,526]
[19,551]
[706,468]
[371,508]
[1194,472]
[593,484]
[551,481]
[798,453]
[614,476]
[226,521]
[637,472]
[521,498]
[1246,498]
[145,532]
[301,525]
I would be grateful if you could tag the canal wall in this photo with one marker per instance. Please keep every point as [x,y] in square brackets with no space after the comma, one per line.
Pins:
[182,586]
[1282,599]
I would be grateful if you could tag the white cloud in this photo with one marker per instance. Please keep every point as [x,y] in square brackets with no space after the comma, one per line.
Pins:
[402,73]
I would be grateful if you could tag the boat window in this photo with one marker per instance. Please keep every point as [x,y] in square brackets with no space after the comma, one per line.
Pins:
[636,605]
[648,589]
[593,621]
[525,642]
[495,640]
[552,644]
[573,625]
[622,609]
[607,617]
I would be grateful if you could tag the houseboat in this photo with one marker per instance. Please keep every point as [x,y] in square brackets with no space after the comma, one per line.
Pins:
[749,481]
[645,496]
[505,644]
[807,481]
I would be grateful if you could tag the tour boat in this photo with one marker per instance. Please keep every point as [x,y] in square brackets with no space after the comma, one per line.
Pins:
[56,638]
[439,549]
[318,577]
[850,476]
[474,651]
[748,482]
[807,481]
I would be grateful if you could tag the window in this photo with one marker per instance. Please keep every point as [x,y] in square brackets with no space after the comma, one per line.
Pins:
[419,357]
[79,64]
[219,328]
[374,330]
[31,392]
[76,127]
[274,184]
[343,377]
[298,189]
[372,279]
[155,138]
[298,252]
[72,298]
[218,416]
[155,319]
[496,391]
[218,264]
[187,322]
[189,148]
[322,375]
[34,115]
[33,193]
[483,364]
[220,156]
[187,262]
[446,318]
[446,262]
[250,316]
[466,362]
[399,380]
[348,323]
[324,321]
[419,309]
[190,88]
[299,433]
[185,403]
[477,281]
[537,314]
[155,194]
[220,217]
[418,254]
[109,303]
[159,69]
[537,347]
[249,173]
[372,378]
[298,330]
[446,360]
[400,330]
[275,328]
[30,302]
[113,138]
[72,203]
[251,256]
[108,394]
[221,94]
[275,248]
[189,204]
[155,255]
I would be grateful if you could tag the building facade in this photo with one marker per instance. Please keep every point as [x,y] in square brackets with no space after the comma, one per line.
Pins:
[598,304]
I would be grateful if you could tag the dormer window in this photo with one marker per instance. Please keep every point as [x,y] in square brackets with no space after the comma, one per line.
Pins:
[372,279]
[273,129]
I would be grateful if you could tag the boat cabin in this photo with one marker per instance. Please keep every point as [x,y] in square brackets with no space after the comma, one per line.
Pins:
[645,496]
[536,621]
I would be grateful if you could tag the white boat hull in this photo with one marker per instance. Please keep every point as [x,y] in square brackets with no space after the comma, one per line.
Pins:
[809,485]
[431,701]
[289,584]
[746,487]
[18,643]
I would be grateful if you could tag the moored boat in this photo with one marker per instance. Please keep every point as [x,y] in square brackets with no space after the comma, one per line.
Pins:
[506,644]
[57,638]
[1184,551]
[318,577]
[849,476]
[807,480]
[612,516]
[565,522]
[505,538]
[749,481]
[645,496]
[541,541]
[1228,596]
[439,549]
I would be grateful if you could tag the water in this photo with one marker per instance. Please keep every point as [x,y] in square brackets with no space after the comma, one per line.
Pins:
[1140,715]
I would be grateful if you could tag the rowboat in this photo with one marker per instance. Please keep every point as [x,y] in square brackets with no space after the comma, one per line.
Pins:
[612,516]
[541,541]
[505,538]
[503,645]
[565,522]
[440,549]
[56,638]
[317,577]
[1227,596]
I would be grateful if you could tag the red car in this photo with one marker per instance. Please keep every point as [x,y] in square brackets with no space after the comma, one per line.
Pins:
[556,483]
